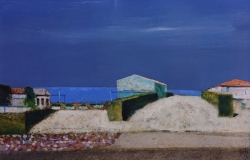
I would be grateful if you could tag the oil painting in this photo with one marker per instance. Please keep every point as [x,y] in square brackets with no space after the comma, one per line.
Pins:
[124,79]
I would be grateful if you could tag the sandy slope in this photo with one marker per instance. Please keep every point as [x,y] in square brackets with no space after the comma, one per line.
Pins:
[181,113]
[177,113]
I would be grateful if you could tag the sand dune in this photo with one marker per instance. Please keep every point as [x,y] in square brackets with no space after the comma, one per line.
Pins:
[177,113]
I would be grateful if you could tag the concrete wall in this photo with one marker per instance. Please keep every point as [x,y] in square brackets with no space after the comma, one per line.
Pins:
[13,109]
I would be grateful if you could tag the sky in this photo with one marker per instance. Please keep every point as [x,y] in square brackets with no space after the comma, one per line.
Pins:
[187,44]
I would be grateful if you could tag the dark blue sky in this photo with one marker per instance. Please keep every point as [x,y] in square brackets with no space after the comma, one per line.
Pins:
[187,44]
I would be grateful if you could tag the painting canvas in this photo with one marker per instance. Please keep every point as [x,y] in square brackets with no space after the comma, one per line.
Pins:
[123,79]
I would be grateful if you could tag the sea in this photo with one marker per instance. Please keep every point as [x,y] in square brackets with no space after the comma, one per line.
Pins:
[96,95]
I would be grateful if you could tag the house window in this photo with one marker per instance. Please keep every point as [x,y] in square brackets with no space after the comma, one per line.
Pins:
[47,102]
[37,101]
[42,101]
[243,105]
[245,92]
[227,89]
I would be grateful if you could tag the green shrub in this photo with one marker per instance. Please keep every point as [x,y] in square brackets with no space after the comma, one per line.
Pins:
[211,97]
[69,104]
[224,102]
[130,106]
[226,105]
[35,116]
[115,110]
[123,108]
[30,101]
[12,123]
[56,104]
[169,94]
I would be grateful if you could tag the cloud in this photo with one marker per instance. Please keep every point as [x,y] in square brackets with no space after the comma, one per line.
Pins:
[157,29]
[85,2]
[115,3]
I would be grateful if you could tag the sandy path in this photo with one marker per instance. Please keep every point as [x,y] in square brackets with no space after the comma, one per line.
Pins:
[146,140]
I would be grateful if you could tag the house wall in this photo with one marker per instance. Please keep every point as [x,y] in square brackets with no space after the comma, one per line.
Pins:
[161,90]
[238,104]
[215,89]
[237,92]
[17,99]
[39,102]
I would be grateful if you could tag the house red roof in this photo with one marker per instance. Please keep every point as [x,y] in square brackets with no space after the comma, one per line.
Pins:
[236,83]
[17,90]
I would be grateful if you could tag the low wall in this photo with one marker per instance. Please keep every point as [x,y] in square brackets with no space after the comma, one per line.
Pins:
[13,109]
[76,108]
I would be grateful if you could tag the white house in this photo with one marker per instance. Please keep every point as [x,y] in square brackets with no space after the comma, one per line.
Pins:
[238,88]
[42,97]
[18,97]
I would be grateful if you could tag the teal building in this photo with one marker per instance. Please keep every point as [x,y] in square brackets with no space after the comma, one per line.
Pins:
[136,84]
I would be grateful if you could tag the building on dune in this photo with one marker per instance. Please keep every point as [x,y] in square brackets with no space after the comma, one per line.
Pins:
[136,84]
[42,97]
[240,90]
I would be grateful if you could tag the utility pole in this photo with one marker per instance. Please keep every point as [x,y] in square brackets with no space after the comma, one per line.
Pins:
[110,95]
[59,96]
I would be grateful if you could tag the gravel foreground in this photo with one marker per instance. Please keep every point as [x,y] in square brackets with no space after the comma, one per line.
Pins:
[157,145]
[56,142]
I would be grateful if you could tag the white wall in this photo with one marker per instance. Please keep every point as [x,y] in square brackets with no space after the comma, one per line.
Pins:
[215,89]
[237,92]
[9,109]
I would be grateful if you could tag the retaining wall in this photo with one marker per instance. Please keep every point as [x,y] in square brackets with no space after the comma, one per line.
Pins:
[13,109]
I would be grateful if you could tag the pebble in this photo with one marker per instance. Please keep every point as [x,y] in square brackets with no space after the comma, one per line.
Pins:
[56,142]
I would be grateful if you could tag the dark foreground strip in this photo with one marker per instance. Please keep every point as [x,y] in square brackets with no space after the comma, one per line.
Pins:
[123,154]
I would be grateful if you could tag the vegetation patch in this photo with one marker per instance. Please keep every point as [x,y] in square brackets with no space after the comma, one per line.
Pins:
[169,94]
[30,101]
[114,109]
[35,116]
[223,102]
[131,105]
[226,105]
[123,108]
[210,97]
[12,123]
